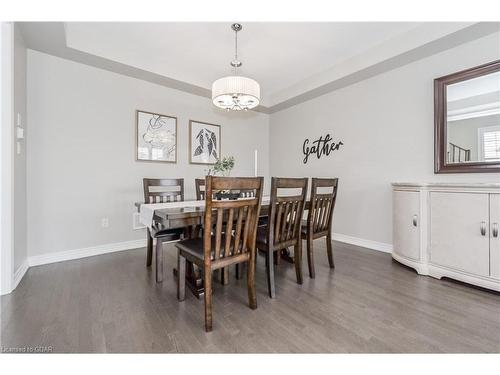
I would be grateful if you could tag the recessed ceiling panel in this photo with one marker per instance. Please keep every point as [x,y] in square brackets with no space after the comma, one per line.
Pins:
[277,55]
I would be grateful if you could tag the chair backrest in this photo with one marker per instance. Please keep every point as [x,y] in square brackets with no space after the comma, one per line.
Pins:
[234,221]
[199,184]
[161,190]
[319,217]
[285,213]
[200,190]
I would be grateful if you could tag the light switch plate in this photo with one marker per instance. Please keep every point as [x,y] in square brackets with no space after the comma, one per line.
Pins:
[19,133]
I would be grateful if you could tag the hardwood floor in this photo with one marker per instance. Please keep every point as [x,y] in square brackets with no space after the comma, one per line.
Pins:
[111,303]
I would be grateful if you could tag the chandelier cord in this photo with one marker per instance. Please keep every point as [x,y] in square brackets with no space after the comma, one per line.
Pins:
[236,45]
[235,50]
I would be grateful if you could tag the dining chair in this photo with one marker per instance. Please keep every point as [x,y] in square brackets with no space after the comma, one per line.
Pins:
[223,274]
[319,219]
[231,242]
[283,228]
[200,188]
[161,190]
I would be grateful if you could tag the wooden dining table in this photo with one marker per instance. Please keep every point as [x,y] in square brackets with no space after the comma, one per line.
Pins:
[189,216]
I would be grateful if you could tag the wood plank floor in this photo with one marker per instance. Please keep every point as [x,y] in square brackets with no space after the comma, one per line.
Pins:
[110,303]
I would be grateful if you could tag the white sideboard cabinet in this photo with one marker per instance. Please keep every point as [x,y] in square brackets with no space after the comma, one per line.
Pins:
[449,230]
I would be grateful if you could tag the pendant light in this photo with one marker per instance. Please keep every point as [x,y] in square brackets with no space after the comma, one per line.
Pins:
[236,93]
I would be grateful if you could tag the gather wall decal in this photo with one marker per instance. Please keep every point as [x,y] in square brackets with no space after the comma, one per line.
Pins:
[321,146]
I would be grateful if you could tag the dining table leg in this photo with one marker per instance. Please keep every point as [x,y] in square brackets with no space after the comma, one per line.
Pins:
[149,248]
[159,261]
[225,276]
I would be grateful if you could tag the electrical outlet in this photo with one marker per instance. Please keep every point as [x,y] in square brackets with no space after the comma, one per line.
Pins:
[136,221]
[104,222]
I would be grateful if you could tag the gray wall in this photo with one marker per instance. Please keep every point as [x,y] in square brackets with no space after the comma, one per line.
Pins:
[81,163]
[81,155]
[386,124]
[20,213]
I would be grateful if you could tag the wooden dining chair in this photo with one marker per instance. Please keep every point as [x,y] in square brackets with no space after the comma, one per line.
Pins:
[231,242]
[283,228]
[319,219]
[161,190]
[223,274]
[200,188]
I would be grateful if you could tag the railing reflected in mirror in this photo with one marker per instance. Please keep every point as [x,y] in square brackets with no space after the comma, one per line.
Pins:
[467,120]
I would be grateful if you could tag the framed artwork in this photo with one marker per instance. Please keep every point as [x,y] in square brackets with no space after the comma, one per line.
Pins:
[155,137]
[204,142]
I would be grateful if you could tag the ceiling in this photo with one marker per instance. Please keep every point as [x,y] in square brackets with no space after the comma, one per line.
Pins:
[277,55]
[293,62]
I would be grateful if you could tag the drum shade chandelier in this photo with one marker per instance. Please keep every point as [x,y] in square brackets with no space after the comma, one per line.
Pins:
[236,93]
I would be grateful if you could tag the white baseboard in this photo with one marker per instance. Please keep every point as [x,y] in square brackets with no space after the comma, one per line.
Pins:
[374,245]
[19,274]
[62,256]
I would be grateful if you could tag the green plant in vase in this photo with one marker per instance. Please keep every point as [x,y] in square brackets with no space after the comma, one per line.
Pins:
[223,166]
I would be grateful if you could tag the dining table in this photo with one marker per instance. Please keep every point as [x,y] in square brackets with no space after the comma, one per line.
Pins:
[189,214]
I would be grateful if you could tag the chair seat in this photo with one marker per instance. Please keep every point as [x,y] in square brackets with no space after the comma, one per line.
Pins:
[262,235]
[168,234]
[303,231]
[263,220]
[303,227]
[194,247]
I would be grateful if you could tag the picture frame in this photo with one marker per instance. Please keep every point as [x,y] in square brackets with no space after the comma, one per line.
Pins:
[155,137]
[204,142]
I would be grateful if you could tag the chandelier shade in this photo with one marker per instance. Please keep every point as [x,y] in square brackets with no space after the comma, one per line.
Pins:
[236,93]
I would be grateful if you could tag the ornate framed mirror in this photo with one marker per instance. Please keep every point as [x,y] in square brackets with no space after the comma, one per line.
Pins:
[467,120]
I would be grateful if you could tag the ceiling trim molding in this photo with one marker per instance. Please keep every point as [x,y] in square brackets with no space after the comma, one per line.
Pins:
[52,40]
[482,110]
[455,39]
[58,47]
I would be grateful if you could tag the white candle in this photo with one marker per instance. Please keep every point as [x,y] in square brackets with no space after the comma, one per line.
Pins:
[255,163]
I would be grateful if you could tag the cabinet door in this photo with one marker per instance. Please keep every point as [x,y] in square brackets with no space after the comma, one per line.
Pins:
[457,240]
[406,223]
[495,236]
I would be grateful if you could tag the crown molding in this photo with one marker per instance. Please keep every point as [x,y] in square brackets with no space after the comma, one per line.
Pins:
[50,38]
[449,40]
[432,38]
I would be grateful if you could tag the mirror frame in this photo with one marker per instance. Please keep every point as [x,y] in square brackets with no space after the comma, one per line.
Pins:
[440,121]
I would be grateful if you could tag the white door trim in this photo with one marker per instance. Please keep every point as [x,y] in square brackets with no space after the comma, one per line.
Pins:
[6,157]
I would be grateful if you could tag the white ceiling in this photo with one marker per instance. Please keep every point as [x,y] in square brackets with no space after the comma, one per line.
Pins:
[293,62]
[277,55]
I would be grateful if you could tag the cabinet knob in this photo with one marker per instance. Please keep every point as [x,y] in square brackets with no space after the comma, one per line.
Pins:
[482,228]
[494,229]
[415,220]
